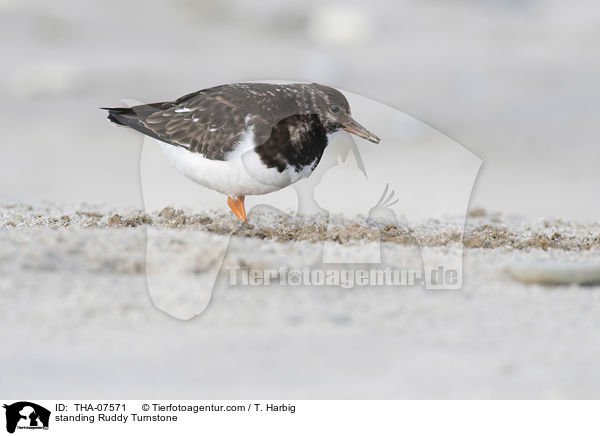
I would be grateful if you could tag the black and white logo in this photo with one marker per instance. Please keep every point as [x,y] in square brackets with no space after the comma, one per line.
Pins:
[26,415]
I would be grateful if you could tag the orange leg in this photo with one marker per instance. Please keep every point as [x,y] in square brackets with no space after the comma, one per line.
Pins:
[238,208]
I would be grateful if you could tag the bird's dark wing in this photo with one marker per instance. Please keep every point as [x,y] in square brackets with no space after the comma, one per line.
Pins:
[210,121]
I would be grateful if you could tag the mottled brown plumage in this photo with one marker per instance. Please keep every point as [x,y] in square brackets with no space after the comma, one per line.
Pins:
[211,121]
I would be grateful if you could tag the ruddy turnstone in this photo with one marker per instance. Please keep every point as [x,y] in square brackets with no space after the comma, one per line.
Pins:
[245,138]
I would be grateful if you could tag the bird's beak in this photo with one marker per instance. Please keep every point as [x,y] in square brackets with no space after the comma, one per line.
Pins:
[353,127]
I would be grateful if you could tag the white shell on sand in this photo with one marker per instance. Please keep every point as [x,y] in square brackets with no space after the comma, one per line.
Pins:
[555,273]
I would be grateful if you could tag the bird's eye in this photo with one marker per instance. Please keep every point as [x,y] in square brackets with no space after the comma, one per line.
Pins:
[334,109]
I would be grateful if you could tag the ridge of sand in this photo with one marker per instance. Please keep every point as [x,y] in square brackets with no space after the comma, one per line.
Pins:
[482,229]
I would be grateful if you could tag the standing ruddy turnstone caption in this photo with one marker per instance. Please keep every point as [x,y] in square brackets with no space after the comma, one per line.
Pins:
[245,138]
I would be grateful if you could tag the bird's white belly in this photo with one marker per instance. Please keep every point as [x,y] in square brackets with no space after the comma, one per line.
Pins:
[242,174]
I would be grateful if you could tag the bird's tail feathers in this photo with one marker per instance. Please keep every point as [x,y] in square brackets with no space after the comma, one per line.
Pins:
[120,115]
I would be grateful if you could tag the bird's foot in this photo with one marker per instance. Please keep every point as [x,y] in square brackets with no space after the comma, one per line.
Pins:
[238,208]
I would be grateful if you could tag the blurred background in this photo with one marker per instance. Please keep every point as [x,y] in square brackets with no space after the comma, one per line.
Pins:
[516,82]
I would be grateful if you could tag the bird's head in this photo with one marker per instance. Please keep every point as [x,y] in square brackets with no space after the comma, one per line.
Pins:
[334,111]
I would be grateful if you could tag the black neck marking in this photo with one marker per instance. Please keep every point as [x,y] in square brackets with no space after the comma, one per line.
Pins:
[296,141]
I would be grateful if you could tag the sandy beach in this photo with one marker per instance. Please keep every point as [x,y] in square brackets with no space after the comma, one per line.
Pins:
[78,321]
[488,109]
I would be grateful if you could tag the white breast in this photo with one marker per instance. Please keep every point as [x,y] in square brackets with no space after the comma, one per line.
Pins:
[242,173]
